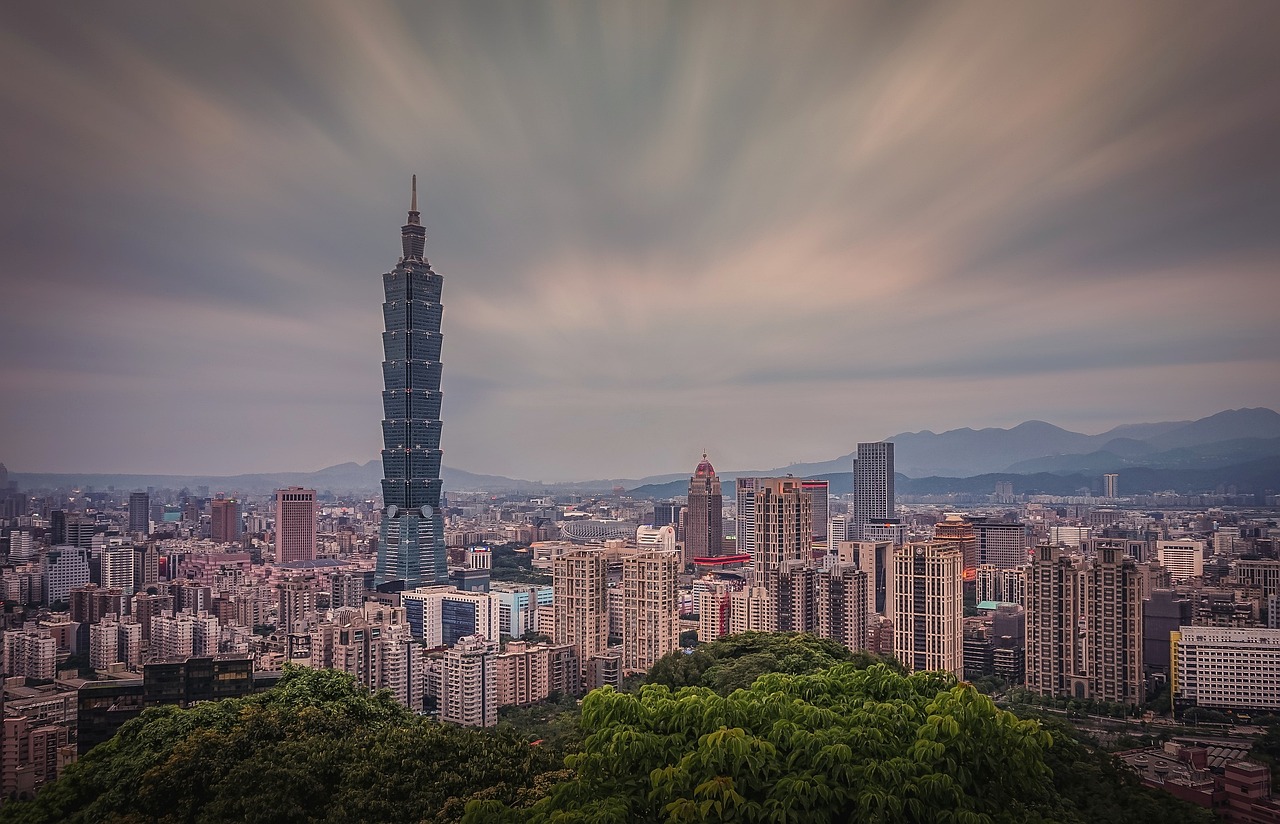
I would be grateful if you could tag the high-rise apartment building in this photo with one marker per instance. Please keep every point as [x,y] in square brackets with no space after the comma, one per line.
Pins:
[783,526]
[295,525]
[64,568]
[224,522]
[872,484]
[1111,485]
[1003,585]
[139,513]
[1084,625]
[296,606]
[117,561]
[842,606]
[928,607]
[581,609]
[411,548]
[704,514]
[467,684]
[650,623]
[1113,628]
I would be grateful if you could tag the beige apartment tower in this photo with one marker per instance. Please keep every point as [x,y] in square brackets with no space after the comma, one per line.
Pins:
[650,627]
[783,514]
[928,607]
[581,608]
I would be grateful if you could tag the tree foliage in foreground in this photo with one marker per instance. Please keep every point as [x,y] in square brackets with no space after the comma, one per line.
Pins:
[736,661]
[869,745]
[316,748]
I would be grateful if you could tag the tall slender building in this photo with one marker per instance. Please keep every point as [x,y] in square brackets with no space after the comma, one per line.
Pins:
[872,485]
[411,547]
[295,524]
[928,607]
[139,512]
[704,517]
[783,527]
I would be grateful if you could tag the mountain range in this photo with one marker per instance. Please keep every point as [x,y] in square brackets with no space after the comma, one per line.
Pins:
[1235,447]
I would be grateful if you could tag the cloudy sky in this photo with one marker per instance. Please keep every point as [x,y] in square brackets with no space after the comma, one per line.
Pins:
[767,230]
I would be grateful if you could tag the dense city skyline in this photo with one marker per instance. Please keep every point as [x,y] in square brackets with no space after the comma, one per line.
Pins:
[658,224]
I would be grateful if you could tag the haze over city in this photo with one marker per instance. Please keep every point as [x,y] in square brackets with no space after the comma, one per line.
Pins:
[658,225]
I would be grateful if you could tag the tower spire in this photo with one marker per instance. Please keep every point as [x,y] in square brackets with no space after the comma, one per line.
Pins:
[413,237]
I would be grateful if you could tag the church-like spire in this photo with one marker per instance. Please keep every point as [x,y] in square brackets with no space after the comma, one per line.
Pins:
[413,238]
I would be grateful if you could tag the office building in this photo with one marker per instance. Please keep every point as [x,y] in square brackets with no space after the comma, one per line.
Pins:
[651,626]
[745,514]
[518,606]
[783,526]
[1264,574]
[295,525]
[22,546]
[139,513]
[1111,485]
[873,483]
[704,514]
[411,548]
[656,539]
[928,607]
[1163,613]
[1226,667]
[581,611]
[1184,559]
[838,531]
[440,615]
[667,512]
[1001,544]
[819,503]
[224,521]
[875,558]
[64,569]
[467,687]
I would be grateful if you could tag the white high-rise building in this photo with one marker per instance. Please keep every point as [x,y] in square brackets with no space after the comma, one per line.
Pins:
[104,643]
[928,607]
[1184,558]
[117,567]
[656,538]
[442,615]
[64,568]
[1228,667]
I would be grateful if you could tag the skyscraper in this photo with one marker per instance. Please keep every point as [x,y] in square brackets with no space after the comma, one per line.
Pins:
[704,524]
[872,485]
[819,493]
[411,546]
[783,526]
[295,524]
[582,617]
[139,512]
[224,525]
[650,627]
[955,531]
[928,607]
[1110,485]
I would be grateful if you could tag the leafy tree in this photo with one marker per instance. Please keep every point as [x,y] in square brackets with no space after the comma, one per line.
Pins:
[842,745]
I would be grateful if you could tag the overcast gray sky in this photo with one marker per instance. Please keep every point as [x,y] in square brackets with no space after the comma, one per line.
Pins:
[767,230]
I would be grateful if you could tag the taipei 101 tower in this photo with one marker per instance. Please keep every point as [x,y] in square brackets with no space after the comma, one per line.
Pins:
[411,551]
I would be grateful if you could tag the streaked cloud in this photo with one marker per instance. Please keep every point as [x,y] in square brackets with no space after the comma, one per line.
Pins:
[659,224]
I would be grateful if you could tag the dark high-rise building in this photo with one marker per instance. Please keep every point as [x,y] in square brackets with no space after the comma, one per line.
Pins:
[872,485]
[704,524]
[139,512]
[224,525]
[411,550]
[819,494]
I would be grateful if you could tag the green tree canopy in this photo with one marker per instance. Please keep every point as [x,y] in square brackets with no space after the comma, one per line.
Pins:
[848,744]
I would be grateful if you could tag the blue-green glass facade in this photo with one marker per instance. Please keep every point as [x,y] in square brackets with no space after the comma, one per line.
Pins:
[411,548]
